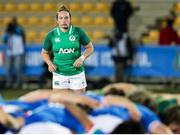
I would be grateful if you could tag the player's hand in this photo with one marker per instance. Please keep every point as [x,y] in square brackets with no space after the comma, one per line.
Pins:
[51,67]
[78,62]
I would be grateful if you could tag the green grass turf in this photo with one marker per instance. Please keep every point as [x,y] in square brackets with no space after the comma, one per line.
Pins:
[15,93]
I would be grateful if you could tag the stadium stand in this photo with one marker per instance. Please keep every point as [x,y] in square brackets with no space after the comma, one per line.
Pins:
[86,20]
[151,38]
[75,20]
[88,6]
[1,7]
[10,7]
[177,22]
[47,20]
[22,20]
[31,35]
[91,15]
[102,7]
[99,20]
[49,6]
[75,6]
[23,7]
[6,20]
[36,6]
[34,21]
[177,7]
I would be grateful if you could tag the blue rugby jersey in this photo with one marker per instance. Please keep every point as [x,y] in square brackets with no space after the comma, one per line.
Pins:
[57,114]
[147,116]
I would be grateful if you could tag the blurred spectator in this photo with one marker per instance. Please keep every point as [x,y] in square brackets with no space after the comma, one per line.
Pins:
[14,39]
[122,55]
[121,11]
[168,34]
[120,42]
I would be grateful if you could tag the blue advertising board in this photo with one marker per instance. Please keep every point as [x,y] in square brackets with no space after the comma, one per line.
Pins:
[156,62]
[148,61]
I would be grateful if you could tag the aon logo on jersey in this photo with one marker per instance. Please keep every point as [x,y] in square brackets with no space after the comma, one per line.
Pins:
[63,51]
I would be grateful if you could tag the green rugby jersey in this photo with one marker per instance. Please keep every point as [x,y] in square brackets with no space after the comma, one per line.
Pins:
[66,47]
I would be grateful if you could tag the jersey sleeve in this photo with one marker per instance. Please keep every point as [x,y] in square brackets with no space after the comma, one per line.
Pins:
[47,42]
[84,39]
[147,117]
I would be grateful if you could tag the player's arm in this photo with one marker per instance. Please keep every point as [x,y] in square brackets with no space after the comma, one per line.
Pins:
[36,95]
[71,97]
[46,58]
[124,102]
[89,49]
[80,115]
[9,121]
[45,52]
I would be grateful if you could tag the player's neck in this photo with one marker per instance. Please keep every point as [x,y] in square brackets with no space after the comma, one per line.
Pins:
[63,29]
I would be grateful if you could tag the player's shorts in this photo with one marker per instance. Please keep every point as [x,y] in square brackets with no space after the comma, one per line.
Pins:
[102,122]
[74,82]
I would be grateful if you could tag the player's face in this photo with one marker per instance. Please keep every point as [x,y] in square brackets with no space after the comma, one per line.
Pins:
[63,19]
[175,128]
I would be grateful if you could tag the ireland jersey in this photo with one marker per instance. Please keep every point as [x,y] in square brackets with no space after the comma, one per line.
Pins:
[66,47]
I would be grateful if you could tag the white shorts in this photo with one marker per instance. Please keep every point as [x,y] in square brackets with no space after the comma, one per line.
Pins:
[106,122]
[74,82]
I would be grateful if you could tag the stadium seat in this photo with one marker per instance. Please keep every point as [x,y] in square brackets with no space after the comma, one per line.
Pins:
[1,7]
[6,20]
[38,41]
[149,40]
[10,7]
[47,20]
[177,7]
[145,39]
[22,20]
[42,34]
[99,20]
[89,34]
[75,20]
[88,7]
[49,6]
[36,7]
[110,21]
[154,34]
[75,6]
[41,37]
[98,35]
[34,21]
[177,22]
[31,36]
[86,20]
[23,6]
[101,7]
[1,22]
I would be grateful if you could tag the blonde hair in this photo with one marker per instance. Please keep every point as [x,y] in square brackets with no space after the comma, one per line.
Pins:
[62,8]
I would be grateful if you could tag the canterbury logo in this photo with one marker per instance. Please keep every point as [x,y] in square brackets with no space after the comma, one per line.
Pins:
[57,40]
[63,51]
